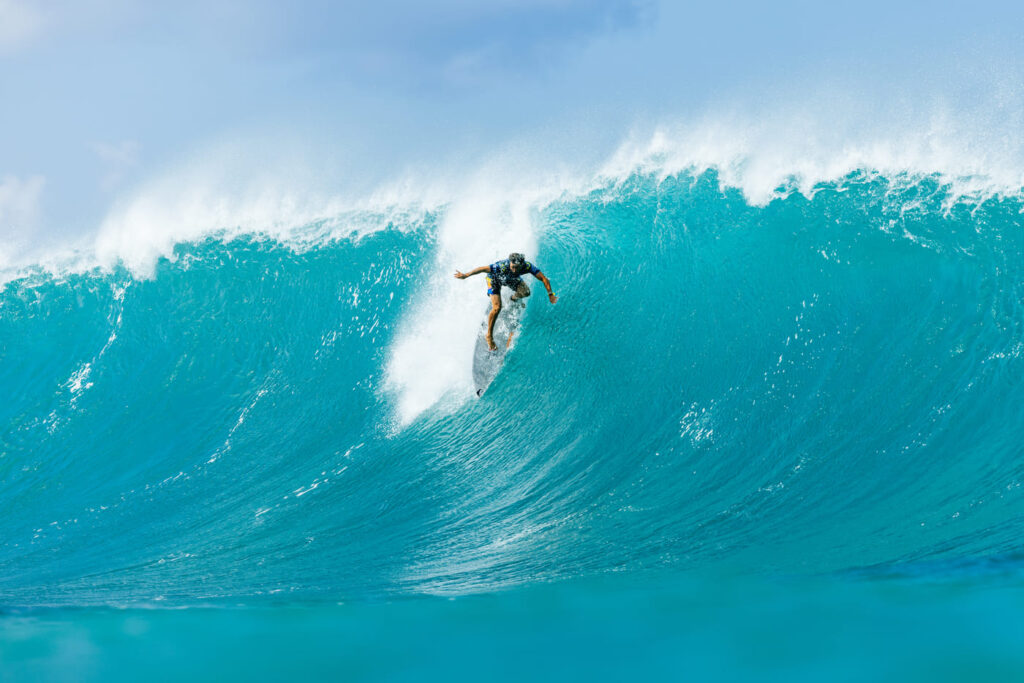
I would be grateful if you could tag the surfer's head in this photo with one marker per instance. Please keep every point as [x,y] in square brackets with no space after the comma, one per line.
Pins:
[517,261]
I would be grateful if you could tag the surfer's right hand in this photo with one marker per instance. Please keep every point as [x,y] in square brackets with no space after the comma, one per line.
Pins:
[460,275]
[491,344]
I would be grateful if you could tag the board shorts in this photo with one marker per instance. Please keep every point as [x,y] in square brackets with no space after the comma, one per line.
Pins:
[519,287]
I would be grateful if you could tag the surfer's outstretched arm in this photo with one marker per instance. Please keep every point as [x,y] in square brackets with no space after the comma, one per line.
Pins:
[547,285]
[475,271]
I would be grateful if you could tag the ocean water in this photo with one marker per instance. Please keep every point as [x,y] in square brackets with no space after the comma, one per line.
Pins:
[774,436]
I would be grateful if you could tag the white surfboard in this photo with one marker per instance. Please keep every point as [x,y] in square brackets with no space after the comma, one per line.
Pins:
[487,363]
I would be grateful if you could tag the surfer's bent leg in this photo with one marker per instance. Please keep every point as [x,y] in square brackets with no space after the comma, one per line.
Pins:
[522,291]
[495,310]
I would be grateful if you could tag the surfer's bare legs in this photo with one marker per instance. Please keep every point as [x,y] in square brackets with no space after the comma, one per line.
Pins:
[495,310]
[522,291]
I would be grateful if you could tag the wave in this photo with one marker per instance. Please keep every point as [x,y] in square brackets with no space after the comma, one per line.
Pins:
[823,380]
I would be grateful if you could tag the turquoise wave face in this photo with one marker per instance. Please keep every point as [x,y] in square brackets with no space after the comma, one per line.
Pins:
[823,384]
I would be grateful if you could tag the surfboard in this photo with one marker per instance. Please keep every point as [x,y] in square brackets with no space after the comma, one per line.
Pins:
[487,363]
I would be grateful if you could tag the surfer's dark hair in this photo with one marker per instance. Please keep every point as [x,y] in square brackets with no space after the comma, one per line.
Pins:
[516,257]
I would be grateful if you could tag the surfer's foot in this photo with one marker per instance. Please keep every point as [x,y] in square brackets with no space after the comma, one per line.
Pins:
[491,344]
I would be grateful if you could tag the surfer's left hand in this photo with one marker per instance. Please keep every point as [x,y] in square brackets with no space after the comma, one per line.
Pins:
[552,298]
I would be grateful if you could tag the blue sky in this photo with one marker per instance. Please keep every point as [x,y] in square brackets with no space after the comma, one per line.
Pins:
[99,95]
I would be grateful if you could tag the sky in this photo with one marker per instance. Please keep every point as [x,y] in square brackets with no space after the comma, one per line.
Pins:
[100,99]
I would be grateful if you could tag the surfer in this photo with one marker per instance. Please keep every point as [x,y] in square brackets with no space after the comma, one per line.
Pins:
[508,273]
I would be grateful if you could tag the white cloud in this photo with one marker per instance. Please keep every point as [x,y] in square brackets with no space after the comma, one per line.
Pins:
[19,203]
[19,23]
[19,210]
[119,158]
[124,153]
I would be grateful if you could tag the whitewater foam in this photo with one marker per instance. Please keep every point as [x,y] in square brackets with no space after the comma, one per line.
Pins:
[795,144]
